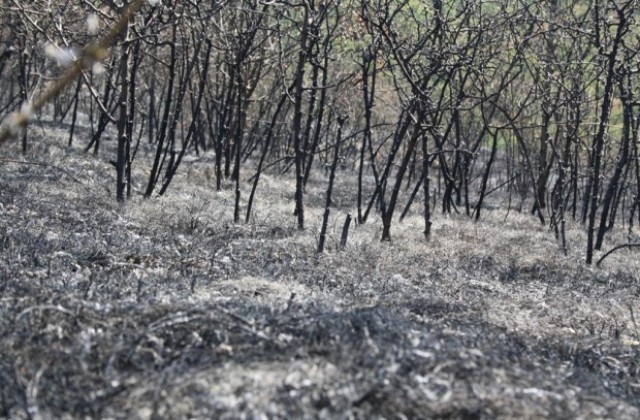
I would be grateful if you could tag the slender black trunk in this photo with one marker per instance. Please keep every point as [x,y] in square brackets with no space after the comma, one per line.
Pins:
[297,120]
[327,206]
[123,139]
[599,140]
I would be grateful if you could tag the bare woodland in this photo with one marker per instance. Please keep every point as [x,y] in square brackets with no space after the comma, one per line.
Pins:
[265,166]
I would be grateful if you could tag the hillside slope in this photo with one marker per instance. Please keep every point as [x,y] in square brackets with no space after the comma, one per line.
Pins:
[165,308]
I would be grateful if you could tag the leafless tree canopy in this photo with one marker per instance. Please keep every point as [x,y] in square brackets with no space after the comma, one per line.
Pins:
[451,101]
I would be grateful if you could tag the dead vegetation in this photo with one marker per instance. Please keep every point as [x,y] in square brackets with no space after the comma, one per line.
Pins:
[165,308]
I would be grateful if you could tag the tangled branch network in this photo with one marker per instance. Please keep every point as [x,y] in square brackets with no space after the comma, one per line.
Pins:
[91,54]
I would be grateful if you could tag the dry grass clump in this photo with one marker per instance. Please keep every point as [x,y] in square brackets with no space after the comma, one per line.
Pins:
[166,308]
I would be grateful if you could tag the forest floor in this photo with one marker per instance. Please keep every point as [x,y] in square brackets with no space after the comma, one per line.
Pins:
[164,308]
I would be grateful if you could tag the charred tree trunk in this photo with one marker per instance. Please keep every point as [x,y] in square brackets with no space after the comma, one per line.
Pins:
[599,140]
[623,159]
[327,206]
[387,215]
[297,120]
[427,193]
[368,95]
[124,141]
[164,124]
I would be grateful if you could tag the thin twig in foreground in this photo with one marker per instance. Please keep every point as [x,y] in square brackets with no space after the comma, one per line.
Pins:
[90,54]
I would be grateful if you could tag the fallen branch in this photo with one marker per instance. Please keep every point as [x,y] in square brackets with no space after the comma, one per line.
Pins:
[25,162]
[615,249]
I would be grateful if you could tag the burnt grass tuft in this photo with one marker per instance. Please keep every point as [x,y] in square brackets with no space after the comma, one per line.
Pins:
[164,308]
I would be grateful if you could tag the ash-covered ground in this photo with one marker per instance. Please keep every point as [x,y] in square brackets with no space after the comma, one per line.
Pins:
[164,308]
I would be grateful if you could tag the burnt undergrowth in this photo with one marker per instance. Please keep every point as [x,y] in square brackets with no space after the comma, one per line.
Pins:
[166,308]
